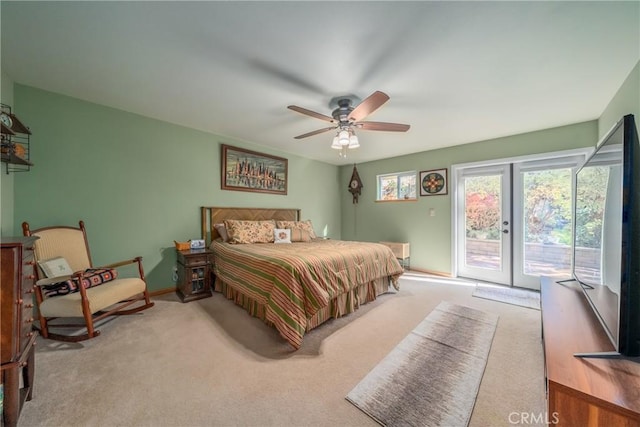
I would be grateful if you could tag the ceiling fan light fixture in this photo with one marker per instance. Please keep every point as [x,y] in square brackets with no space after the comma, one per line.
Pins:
[353,141]
[347,117]
[343,137]
[336,143]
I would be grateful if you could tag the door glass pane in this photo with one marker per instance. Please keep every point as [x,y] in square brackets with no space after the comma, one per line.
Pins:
[547,222]
[483,243]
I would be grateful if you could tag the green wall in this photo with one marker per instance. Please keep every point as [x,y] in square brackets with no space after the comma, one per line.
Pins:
[431,236]
[138,183]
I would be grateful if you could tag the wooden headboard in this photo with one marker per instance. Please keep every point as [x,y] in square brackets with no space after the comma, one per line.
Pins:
[215,215]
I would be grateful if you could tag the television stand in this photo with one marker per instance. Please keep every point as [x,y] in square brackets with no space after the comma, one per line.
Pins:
[583,391]
[608,355]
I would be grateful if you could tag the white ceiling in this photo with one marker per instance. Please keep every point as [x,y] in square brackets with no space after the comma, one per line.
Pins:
[457,72]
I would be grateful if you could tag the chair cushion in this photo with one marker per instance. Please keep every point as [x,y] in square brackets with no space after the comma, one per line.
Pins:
[92,277]
[100,297]
[68,243]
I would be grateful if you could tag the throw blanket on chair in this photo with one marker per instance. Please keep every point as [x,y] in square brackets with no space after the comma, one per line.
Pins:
[91,277]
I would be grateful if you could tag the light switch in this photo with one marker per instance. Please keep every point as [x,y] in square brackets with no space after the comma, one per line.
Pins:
[432,212]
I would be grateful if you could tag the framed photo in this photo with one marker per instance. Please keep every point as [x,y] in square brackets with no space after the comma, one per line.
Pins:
[433,182]
[245,170]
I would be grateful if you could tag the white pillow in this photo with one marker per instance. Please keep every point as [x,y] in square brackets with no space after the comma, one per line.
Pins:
[55,267]
[281,235]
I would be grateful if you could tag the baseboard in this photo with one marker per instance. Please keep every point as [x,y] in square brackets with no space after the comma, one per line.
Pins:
[432,272]
[161,292]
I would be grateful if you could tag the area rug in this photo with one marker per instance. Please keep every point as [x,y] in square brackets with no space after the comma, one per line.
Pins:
[432,377]
[521,297]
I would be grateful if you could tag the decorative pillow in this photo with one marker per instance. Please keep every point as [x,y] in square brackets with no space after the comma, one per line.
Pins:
[222,231]
[282,235]
[55,267]
[250,231]
[305,225]
[300,235]
[92,277]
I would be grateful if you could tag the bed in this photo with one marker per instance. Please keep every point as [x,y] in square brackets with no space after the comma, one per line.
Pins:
[295,287]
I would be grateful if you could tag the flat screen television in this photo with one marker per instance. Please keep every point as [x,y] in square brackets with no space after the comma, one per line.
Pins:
[606,244]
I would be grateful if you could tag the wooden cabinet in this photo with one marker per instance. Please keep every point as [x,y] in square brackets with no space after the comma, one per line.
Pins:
[583,391]
[402,251]
[194,274]
[18,338]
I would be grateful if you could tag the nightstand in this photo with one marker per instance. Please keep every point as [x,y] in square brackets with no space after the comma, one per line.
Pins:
[401,251]
[194,274]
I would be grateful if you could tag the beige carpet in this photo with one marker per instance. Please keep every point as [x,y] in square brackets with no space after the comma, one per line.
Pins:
[431,378]
[522,297]
[208,363]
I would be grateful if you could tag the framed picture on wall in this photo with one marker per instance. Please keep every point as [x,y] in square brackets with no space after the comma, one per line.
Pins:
[245,170]
[433,182]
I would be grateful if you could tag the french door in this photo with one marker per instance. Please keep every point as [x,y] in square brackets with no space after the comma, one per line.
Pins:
[513,221]
[484,223]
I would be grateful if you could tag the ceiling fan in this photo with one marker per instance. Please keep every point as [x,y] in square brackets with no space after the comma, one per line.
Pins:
[346,117]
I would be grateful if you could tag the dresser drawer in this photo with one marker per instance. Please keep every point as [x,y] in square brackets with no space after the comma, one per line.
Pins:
[28,281]
[28,276]
[25,329]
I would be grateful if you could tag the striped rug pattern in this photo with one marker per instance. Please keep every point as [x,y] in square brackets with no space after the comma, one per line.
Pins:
[431,378]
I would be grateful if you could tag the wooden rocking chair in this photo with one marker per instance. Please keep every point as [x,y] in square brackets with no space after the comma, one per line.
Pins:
[118,296]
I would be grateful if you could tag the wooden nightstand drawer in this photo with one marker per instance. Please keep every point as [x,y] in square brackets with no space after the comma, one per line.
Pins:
[193,258]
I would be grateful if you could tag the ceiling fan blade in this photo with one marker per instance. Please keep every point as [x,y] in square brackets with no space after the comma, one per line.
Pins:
[389,127]
[368,106]
[311,113]
[315,132]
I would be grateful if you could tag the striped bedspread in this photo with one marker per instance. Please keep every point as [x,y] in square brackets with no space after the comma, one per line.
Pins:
[294,281]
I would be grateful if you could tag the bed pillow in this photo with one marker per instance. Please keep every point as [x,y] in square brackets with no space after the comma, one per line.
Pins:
[55,267]
[240,231]
[222,231]
[305,225]
[300,235]
[281,235]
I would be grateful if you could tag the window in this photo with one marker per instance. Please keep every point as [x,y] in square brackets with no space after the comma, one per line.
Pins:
[397,186]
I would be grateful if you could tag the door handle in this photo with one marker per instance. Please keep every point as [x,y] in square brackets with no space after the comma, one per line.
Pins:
[505,231]
[505,222]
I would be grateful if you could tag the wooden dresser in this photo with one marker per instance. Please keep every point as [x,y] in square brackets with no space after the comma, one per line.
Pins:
[18,338]
[583,391]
